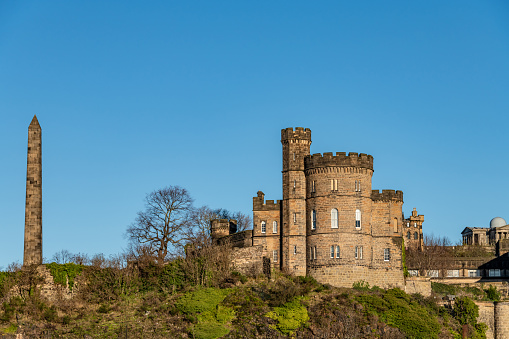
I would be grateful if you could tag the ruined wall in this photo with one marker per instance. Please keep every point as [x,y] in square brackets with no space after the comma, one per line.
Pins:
[420,285]
[248,260]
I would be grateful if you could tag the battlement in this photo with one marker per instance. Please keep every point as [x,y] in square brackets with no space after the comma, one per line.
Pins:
[340,159]
[300,133]
[387,195]
[222,227]
[259,203]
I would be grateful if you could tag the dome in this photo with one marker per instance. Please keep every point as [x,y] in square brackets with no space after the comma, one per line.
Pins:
[497,222]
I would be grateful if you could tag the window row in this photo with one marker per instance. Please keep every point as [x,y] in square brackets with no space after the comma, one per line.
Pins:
[334,219]
[408,224]
[333,185]
[335,253]
[409,235]
[264,227]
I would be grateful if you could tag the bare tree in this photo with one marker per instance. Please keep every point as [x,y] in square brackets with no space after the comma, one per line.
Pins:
[164,224]
[244,221]
[62,257]
[433,257]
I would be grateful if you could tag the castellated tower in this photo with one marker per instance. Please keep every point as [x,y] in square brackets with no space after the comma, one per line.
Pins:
[330,224]
[33,205]
[296,145]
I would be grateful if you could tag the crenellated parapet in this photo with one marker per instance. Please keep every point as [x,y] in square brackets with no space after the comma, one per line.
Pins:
[259,203]
[387,195]
[341,159]
[291,135]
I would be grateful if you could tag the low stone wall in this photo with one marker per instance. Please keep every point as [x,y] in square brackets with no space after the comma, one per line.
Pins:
[248,260]
[420,285]
[487,316]
[346,276]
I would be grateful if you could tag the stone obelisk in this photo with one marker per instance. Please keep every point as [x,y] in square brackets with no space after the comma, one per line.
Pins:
[33,206]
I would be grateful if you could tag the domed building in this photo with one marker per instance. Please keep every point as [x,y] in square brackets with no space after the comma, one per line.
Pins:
[488,236]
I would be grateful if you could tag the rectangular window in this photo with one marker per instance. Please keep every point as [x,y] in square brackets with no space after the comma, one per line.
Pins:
[387,254]
[313,186]
[274,255]
[295,249]
[337,251]
[294,218]
[264,227]
[356,252]
[494,272]
[294,183]
[360,252]
[332,251]
[335,184]
[359,186]
[332,185]
[473,273]
[453,273]
[274,227]
[358,219]
[314,252]
[313,220]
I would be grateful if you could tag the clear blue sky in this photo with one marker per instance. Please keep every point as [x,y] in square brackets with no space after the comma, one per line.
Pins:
[134,96]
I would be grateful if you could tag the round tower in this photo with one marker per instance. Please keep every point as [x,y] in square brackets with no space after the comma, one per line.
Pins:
[338,225]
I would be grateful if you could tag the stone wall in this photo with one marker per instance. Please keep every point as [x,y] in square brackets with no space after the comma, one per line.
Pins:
[501,320]
[418,285]
[248,260]
[487,316]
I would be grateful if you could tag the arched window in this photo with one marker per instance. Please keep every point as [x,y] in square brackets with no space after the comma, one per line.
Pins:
[357,218]
[416,235]
[409,235]
[264,227]
[334,218]
[395,225]
[313,220]
[274,227]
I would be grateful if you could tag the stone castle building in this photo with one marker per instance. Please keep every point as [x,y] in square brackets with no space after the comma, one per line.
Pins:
[330,224]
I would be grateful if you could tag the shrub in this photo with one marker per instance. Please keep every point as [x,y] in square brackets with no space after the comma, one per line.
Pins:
[398,309]
[290,317]
[64,274]
[361,285]
[201,300]
[466,311]
[492,293]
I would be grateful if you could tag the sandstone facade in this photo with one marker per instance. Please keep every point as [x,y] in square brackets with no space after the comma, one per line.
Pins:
[330,224]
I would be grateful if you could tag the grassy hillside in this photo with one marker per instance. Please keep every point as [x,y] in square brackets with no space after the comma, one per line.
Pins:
[151,301]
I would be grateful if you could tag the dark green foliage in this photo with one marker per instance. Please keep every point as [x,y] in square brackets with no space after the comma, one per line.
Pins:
[50,314]
[103,308]
[466,311]
[64,274]
[443,288]
[492,293]
[398,309]
[403,259]
[242,278]
[4,279]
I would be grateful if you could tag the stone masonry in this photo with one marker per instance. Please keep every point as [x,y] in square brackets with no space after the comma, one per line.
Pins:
[330,224]
[33,206]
